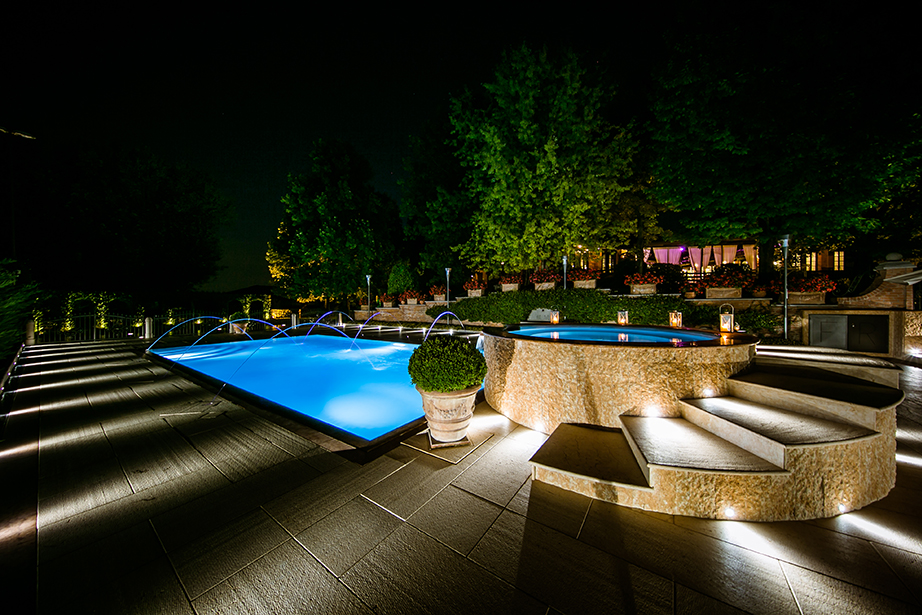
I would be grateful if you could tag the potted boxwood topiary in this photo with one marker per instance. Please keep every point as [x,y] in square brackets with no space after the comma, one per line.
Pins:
[447,372]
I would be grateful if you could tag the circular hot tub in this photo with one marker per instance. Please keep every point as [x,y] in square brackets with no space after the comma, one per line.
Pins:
[543,375]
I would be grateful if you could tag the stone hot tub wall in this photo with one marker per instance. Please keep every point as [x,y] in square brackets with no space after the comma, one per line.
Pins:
[541,384]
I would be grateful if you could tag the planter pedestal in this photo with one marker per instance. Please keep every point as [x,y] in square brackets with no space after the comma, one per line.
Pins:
[723,293]
[449,414]
[643,289]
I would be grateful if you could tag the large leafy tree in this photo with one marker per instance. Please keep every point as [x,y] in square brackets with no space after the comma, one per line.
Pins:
[336,227]
[539,154]
[435,210]
[759,136]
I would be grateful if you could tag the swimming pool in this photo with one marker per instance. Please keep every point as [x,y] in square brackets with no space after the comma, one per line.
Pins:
[360,387]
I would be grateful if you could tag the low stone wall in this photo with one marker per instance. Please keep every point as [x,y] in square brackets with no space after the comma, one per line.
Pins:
[541,384]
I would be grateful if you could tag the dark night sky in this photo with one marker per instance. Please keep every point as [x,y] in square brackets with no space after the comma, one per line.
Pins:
[244,100]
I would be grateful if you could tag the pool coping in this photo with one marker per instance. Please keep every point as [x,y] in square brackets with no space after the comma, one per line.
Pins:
[720,338]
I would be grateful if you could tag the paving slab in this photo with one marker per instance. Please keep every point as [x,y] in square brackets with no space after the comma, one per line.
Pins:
[456,518]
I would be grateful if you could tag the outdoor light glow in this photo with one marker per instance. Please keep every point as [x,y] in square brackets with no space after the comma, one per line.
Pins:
[912,460]
[842,508]
[675,319]
[729,512]
[622,317]
[708,393]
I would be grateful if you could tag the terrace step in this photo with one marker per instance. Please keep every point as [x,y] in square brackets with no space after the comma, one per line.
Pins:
[601,454]
[831,359]
[816,392]
[677,443]
[766,431]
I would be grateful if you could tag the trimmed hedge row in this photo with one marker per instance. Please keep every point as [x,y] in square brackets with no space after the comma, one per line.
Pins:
[591,306]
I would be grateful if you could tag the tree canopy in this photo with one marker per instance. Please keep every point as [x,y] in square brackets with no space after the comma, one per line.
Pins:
[538,154]
[336,228]
[758,138]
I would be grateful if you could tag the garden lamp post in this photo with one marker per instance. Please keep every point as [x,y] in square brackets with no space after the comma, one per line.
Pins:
[565,272]
[784,250]
[447,286]
[368,279]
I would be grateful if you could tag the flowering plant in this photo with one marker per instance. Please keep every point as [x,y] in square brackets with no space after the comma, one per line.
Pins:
[511,278]
[583,274]
[643,278]
[411,294]
[693,286]
[544,275]
[730,276]
[386,298]
[474,284]
[820,283]
[437,289]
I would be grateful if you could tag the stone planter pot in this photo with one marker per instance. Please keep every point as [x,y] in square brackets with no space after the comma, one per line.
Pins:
[476,292]
[584,283]
[509,287]
[690,295]
[723,293]
[545,285]
[758,294]
[807,298]
[411,301]
[643,289]
[438,297]
[449,414]
[388,304]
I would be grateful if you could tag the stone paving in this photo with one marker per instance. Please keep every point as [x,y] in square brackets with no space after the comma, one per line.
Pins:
[151,500]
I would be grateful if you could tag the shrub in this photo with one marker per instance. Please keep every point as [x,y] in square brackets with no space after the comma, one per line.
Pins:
[411,294]
[730,275]
[544,275]
[673,278]
[643,278]
[511,278]
[446,363]
[401,278]
[576,275]
[437,289]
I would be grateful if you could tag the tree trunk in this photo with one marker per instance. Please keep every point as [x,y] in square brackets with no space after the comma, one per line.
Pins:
[766,260]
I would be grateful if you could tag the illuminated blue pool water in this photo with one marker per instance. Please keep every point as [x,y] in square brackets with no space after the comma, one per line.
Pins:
[360,387]
[616,334]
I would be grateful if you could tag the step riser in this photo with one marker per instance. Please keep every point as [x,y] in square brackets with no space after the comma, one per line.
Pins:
[740,436]
[638,455]
[806,404]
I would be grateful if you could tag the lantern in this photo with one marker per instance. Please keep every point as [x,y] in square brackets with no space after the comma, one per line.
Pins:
[675,319]
[622,317]
[555,317]
[726,319]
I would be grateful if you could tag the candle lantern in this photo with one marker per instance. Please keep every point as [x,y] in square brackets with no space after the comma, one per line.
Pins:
[555,317]
[622,317]
[726,319]
[675,319]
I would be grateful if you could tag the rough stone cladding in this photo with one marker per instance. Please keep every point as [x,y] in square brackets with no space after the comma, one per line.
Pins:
[542,384]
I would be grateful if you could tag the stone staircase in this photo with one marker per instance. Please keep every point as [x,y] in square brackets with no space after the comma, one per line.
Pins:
[791,440]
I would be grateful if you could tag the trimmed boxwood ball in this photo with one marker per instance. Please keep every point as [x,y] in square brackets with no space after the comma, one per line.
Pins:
[444,363]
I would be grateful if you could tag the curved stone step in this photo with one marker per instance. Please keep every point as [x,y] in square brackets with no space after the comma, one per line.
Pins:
[817,392]
[677,443]
[831,359]
[767,431]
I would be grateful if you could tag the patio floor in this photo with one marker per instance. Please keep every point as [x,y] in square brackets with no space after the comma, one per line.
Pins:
[126,491]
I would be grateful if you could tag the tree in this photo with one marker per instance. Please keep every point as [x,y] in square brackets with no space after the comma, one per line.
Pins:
[121,221]
[435,210]
[757,137]
[336,228]
[15,303]
[539,154]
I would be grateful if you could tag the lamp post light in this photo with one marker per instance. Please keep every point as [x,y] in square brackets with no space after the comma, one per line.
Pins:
[447,286]
[565,272]
[368,279]
[784,250]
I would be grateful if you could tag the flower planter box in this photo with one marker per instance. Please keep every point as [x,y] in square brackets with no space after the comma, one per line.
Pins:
[477,292]
[545,285]
[643,289]
[411,301]
[438,297]
[509,287]
[807,298]
[584,283]
[723,293]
